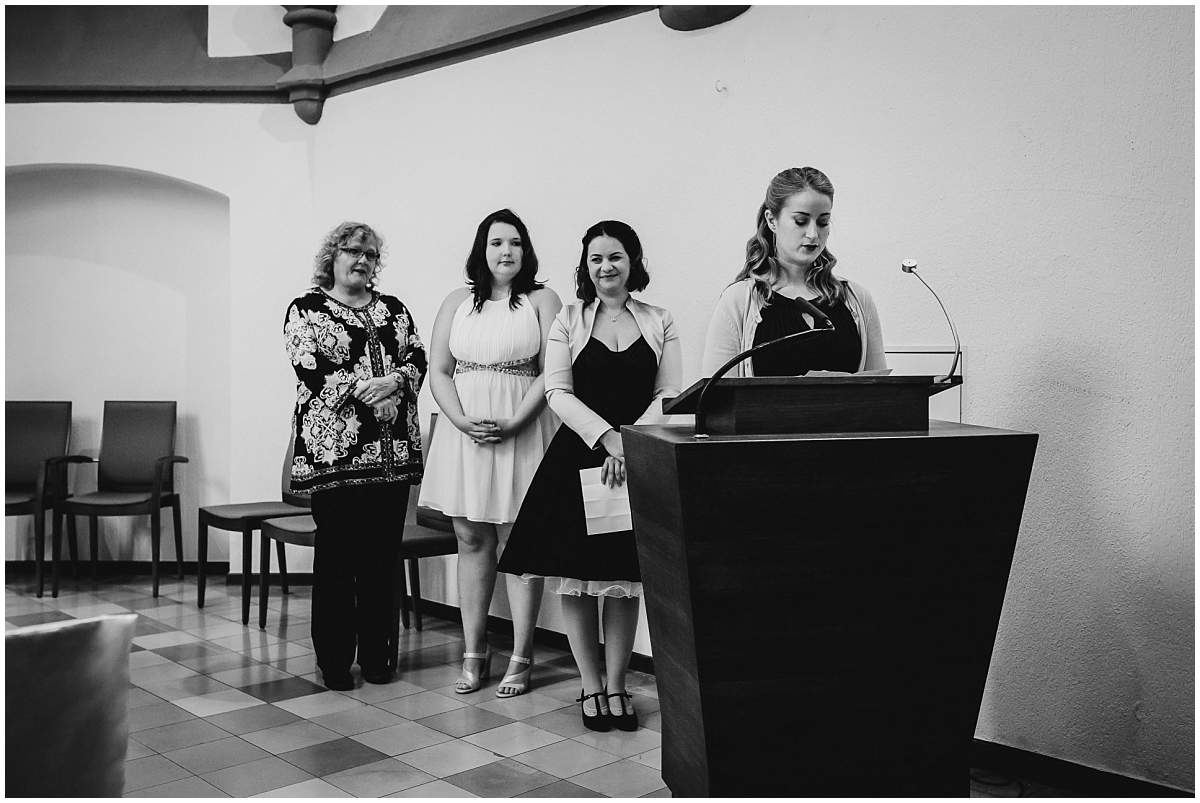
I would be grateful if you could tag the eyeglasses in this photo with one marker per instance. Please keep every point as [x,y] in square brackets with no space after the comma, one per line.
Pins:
[357,254]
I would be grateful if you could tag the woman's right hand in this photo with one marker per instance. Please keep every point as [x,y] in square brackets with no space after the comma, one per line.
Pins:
[386,410]
[480,430]
[611,441]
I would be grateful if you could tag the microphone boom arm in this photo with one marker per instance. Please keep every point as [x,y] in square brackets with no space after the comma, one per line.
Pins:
[720,372]
[910,266]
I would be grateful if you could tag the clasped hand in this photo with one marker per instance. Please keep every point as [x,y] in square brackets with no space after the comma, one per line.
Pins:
[374,390]
[612,472]
[386,410]
[377,392]
[486,430]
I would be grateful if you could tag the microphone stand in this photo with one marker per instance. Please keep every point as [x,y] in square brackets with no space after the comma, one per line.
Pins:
[910,266]
[720,372]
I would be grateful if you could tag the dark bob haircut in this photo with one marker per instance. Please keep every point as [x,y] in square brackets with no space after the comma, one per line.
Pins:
[479,276]
[627,237]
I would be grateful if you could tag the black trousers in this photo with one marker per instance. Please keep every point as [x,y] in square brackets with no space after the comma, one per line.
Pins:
[359,529]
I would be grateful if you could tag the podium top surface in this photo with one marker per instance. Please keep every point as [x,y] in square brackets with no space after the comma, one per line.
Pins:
[685,402]
[682,434]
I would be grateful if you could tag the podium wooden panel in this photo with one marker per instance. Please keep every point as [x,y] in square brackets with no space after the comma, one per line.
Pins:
[822,606]
[767,404]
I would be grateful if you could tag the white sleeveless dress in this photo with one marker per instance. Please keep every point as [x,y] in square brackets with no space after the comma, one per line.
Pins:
[496,352]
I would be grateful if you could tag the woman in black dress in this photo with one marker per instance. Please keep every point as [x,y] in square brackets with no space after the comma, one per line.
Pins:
[788,273]
[610,360]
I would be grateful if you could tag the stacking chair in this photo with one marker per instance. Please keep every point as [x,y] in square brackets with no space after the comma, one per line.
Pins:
[246,517]
[35,458]
[135,476]
[419,541]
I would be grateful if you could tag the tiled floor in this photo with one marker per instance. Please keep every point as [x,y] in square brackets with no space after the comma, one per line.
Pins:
[219,709]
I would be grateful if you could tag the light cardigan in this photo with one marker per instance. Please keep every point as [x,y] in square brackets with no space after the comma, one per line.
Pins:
[570,333]
[739,310]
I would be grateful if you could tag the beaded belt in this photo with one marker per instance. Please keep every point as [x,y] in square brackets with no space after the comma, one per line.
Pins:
[527,366]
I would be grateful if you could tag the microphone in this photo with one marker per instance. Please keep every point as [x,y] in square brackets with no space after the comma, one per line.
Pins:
[910,266]
[825,329]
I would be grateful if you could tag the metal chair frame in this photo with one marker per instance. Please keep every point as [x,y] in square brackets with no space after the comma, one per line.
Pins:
[161,494]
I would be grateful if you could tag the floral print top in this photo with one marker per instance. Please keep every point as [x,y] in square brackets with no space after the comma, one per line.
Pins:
[332,346]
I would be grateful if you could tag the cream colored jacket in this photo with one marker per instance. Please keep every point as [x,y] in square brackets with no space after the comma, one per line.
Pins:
[570,333]
[739,310]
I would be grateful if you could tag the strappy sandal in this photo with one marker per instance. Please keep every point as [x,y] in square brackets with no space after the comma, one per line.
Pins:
[598,721]
[471,681]
[627,719]
[519,681]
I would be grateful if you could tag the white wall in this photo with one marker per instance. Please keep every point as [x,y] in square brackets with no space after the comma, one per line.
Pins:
[1038,162]
[117,287]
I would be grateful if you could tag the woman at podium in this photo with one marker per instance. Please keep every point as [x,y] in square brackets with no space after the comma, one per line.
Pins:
[788,286]
[610,360]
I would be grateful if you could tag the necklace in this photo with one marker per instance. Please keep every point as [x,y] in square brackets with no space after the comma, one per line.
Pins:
[613,318]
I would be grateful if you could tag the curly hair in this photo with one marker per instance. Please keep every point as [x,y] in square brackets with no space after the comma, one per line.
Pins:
[760,249]
[479,275]
[323,263]
[627,237]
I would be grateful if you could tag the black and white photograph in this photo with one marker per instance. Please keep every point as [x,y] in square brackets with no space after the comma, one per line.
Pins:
[600,401]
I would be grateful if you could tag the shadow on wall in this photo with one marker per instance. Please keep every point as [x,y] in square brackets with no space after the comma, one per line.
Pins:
[117,287]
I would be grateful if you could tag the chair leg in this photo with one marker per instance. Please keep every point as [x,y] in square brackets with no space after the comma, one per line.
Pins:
[94,541]
[177,522]
[401,586]
[393,652]
[73,544]
[201,557]
[56,550]
[39,546]
[264,575]
[281,554]
[155,545]
[247,554]
[414,568]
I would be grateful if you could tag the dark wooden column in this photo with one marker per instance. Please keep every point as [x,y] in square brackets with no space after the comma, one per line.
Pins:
[312,37]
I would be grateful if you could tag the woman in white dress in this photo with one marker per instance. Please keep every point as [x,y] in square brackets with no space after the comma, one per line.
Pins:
[485,371]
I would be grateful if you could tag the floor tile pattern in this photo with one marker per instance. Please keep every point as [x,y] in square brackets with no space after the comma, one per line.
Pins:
[222,709]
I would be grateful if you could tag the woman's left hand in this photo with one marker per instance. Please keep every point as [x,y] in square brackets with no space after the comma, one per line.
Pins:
[370,391]
[612,473]
[503,428]
[386,410]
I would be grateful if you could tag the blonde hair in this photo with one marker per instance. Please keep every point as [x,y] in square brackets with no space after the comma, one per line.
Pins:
[323,263]
[761,264]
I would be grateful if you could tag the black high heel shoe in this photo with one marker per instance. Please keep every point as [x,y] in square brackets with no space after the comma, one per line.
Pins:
[627,719]
[598,721]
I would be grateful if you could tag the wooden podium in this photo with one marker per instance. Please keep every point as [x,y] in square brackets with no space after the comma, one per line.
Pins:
[822,604]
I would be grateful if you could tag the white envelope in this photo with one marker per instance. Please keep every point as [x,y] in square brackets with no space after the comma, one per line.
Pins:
[605,509]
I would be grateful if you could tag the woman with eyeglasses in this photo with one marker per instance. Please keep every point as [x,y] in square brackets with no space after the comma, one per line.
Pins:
[359,365]
[486,361]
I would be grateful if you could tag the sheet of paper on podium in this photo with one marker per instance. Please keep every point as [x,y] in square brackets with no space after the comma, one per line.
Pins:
[875,372]
[605,509]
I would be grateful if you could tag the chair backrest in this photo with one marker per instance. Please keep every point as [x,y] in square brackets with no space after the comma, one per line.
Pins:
[34,432]
[427,516]
[300,500]
[135,434]
[66,688]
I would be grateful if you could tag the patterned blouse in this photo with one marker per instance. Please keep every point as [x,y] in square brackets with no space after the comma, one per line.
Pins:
[332,346]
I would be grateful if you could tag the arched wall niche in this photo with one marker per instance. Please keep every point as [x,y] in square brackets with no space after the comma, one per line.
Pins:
[117,287]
